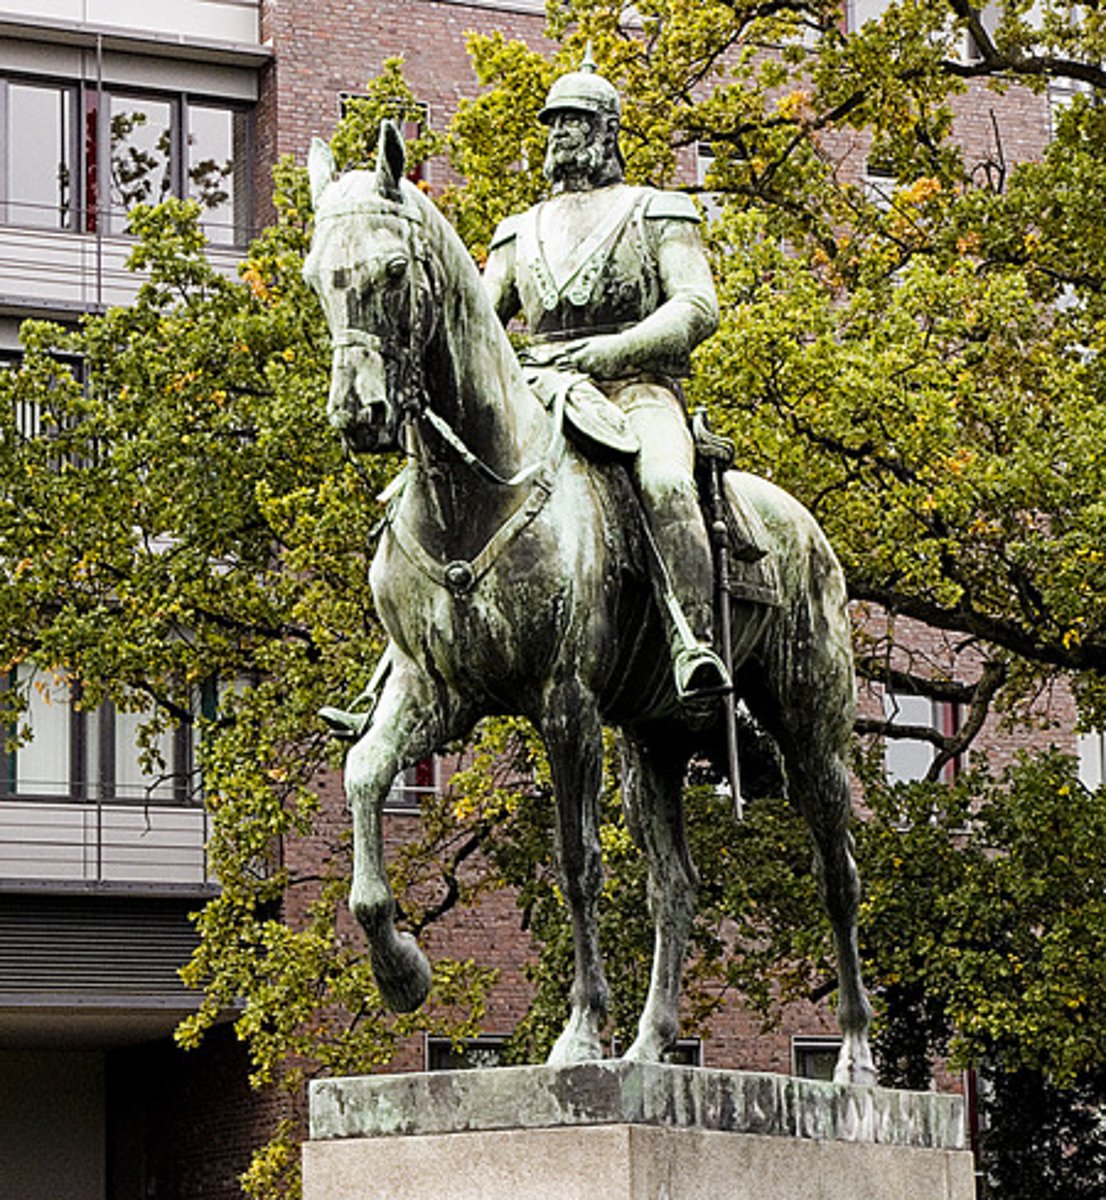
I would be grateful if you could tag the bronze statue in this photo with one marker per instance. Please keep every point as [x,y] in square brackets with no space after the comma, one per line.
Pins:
[513,576]
[614,283]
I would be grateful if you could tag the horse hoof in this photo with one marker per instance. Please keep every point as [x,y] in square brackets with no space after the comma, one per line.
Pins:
[646,1050]
[402,975]
[577,1044]
[855,1067]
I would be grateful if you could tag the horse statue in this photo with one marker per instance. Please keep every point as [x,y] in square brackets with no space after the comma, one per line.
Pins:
[511,580]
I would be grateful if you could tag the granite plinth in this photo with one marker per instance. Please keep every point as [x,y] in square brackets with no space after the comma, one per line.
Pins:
[613,1130]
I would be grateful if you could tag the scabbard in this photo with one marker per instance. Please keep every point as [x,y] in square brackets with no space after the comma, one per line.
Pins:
[720,537]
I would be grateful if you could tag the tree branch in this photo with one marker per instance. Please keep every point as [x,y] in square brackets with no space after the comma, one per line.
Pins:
[999,631]
[992,61]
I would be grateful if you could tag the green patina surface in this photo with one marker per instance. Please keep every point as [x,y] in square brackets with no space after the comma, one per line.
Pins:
[617,1092]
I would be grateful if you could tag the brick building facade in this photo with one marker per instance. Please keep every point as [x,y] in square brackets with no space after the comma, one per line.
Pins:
[261,77]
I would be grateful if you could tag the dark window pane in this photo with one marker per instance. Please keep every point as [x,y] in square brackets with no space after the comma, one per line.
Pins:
[140,165]
[217,170]
[38,150]
[471,1054]
[815,1058]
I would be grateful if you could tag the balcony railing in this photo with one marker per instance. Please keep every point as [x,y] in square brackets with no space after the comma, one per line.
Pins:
[51,268]
[100,842]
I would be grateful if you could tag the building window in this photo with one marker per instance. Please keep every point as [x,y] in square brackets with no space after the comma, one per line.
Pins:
[859,12]
[139,155]
[704,164]
[467,1055]
[93,755]
[59,170]
[990,15]
[879,181]
[814,1057]
[1091,752]
[38,154]
[218,167]
[687,1052]
[412,784]
[908,759]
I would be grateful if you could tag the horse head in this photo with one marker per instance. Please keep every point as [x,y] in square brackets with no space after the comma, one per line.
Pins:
[368,267]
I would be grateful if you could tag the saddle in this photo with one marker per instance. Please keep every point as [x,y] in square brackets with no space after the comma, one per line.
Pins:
[599,429]
[593,423]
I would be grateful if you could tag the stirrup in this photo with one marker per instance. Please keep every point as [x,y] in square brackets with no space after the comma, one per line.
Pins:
[346,726]
[700,674]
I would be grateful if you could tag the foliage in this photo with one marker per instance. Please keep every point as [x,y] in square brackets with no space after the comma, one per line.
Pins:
[1043,1140]
[182,514]
[896,354]
[917,355]
[919,360]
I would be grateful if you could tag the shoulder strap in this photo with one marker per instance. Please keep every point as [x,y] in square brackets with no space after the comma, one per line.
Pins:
[671,206]
[506,230]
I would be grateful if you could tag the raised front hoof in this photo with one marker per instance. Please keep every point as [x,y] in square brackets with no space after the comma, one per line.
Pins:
[402,974]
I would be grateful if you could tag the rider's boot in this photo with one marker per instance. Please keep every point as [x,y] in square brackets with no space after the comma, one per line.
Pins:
[349,724]
[698,672]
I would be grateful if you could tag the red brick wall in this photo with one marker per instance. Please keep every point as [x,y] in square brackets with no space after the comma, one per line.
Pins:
[334,46]
[183,1124]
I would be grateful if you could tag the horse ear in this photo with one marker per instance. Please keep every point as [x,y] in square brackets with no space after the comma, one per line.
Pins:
[321,168]
[391,157]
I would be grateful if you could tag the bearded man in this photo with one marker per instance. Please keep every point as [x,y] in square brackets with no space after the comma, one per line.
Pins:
[614,284]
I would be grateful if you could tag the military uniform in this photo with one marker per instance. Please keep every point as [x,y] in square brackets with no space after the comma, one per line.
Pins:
[627,263]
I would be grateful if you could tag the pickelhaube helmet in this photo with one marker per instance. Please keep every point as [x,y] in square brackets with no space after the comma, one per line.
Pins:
[582,90]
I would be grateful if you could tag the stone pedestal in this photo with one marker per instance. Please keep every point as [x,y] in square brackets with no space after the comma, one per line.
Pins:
[626,1131]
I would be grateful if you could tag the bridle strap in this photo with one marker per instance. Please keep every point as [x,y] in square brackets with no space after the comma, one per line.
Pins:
[472,460]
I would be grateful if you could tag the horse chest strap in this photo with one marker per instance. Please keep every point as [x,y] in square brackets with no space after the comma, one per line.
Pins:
[460,576]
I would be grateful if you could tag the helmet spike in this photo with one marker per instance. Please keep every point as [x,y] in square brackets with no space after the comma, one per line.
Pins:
[587,63]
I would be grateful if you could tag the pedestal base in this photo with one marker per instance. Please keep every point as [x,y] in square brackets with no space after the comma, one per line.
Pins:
[620,1131]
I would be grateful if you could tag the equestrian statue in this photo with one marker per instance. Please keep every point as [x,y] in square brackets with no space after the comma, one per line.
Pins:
[545,553]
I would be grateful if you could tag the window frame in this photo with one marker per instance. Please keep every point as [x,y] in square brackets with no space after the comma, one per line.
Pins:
[93,761]
[406,794]
[90,209]
[75,91]
[437,1048]
[944,717]
[815,1045]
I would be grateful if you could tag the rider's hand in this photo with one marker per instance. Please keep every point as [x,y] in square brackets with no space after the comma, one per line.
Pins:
[601,357]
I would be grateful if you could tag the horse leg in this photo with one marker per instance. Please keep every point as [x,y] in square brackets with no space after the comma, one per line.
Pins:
[406,726]
[819,787]
[574,741]
[652,796]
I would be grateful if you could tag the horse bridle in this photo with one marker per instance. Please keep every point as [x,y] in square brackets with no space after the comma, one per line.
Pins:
[409,388]
[413,403]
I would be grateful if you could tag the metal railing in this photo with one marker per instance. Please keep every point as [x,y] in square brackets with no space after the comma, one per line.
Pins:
[103,842]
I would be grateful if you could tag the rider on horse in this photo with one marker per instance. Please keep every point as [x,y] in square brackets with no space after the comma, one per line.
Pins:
[614,285]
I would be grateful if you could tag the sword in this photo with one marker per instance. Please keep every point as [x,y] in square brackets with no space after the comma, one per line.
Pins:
[719,454]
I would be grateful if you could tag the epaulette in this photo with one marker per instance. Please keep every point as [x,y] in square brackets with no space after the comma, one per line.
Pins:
[673,206]
[506,230]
